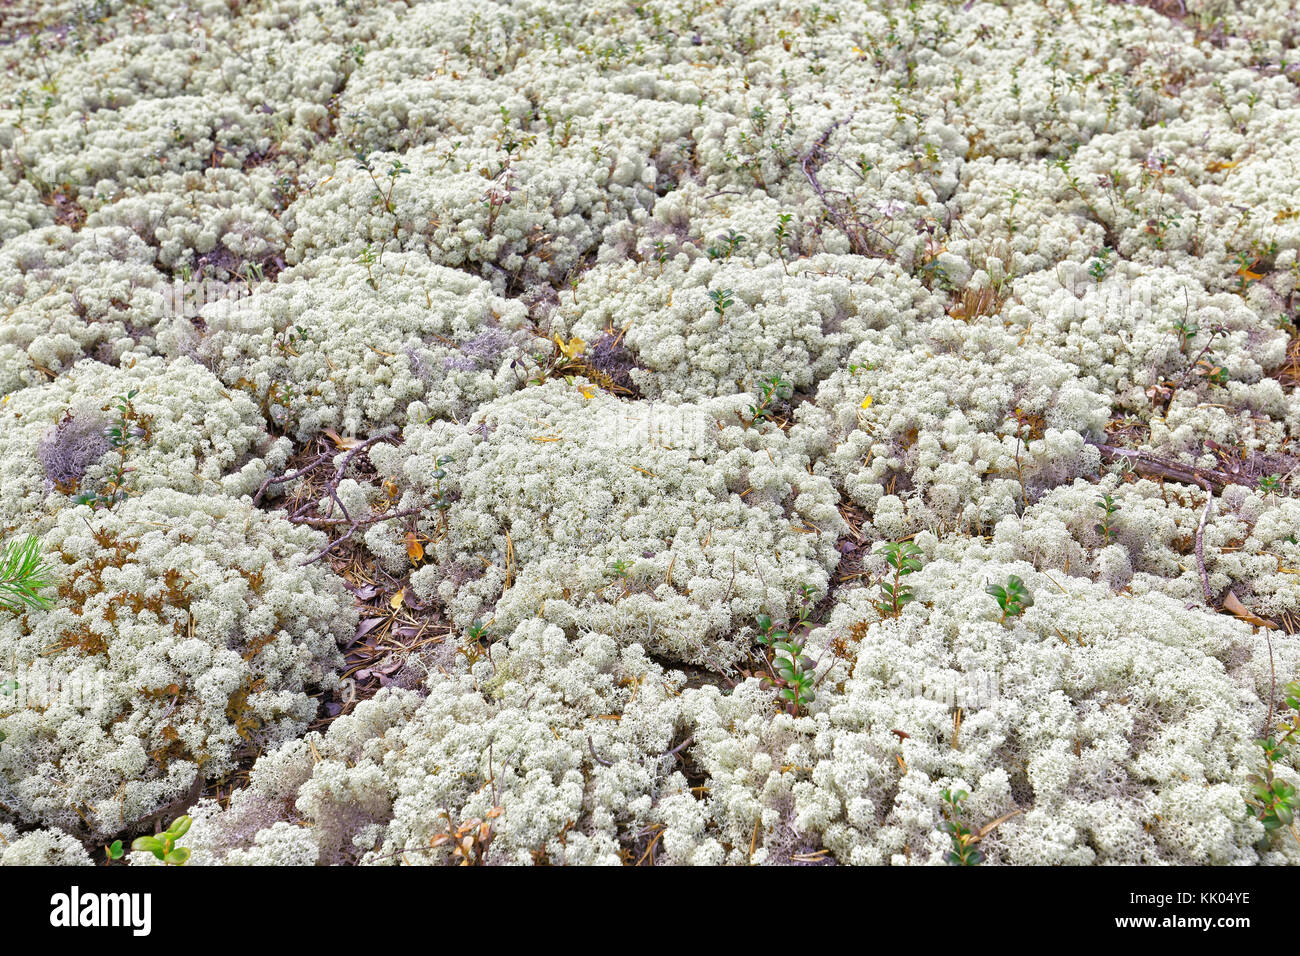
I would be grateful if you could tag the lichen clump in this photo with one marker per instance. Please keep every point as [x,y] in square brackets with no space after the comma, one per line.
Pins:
[450,428]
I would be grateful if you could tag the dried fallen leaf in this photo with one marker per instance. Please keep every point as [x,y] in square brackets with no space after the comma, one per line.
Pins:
[414,550]
[343,443]
[396,601]
[1233,605]
[368,625]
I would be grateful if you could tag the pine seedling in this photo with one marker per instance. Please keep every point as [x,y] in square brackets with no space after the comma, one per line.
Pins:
[23,573]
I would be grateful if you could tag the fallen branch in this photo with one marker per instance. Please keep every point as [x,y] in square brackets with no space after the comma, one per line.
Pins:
[331,486]
[331,490]
[355,525]
[681,746]
[1149,466]
[1200,543]
[281,479]
[815,150]
[368,520]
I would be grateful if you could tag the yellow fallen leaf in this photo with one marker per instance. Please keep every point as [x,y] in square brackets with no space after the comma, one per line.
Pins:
[572,349]
[414,550]
[396,601]
[587,391]
[866,402]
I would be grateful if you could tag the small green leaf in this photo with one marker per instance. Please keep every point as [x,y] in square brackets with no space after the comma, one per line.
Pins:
[149,844]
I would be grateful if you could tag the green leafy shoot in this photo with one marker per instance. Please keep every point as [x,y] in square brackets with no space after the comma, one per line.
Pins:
[1276,801]
[164,845]
[903,558]
[781,233]
[772,389]
[723,299]
[791,671]
[963,851]
[1106,527]
[441,499]
[1013,597]
[121,431]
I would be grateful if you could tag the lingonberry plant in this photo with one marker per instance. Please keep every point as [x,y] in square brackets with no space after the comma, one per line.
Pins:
[1275,801]
[1013,596]
[903,558]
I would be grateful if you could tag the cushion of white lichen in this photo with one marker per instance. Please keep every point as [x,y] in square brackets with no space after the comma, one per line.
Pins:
[330,786]
[184,632]
[45,847]
[669,525]
[1128,745]
[1095,714]
[165,424]
[533,732]
[212,224]
[66,295]
[800,326]
[532,220]
[1248,541]
[325,348]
